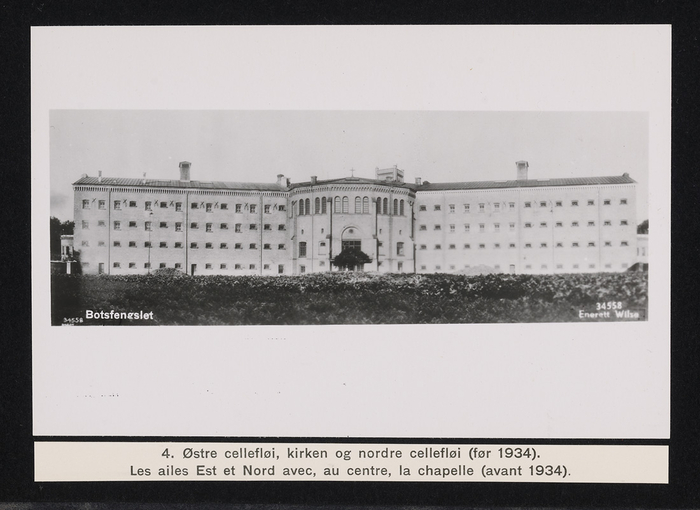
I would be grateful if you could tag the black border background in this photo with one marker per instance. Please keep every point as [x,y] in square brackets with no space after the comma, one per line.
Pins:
[16,440]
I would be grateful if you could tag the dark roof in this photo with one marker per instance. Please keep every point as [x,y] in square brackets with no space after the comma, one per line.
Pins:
[352,180]
[528,183]
[172,183]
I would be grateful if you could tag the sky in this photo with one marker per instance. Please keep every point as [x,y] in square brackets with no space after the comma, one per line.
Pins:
[255,146]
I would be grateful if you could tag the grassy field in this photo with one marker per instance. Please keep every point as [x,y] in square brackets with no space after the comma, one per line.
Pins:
[347,298]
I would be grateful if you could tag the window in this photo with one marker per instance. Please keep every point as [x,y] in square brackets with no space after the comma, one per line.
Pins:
[86,204]
[544,266]
[497,227]
[624,243]
[591,202]
[317,206]
[482,227]
[358,205]
[132,265]
[543,204]
[132,244]
[623,222]
[558,224]
[511,205]
[208,227]
[346,205]
[365,205]
[437,207]
[266,208]
[423,268]
[543,245]
[238,266]
[178,206]
[280,269]
[607,223]
[238,246]
[574,245]
[302,269]
[85,243]
[466,208]
[401,208]
[423,247]
[209,246]
[101,204]
[253,226]
[208,207]
[575,266]
[607,243]
[543,224]
[238,208]
[147,265]
[423,227]
[308,206]
[396,207]
[528,225]
[324,206]
[482,246]
[337,208]
[591,244]
[116,265]
[224,207]
[132,224]
[437,227]
[267,266]
[147,244]
[281,247]
[178,245]
[253,246]
[178,226]
[193,246]
[574,203]
[267,226]
[437,268]
[163,205]
[424,208]
[591,223]
[194,206]
[511,245]
[223,226]
[194,226]
[497,246]
[237,227]
[178,265]
[528,204]
[511,226]
[497,206]
[281,227]
[438,247]
[132,203]
[452,228]
[559,245]
[161,265]
[606,202]
[148,205]
[267,247]
[399,249]
[117,225]
[482,207]
[574,223]
[385,206]
[466,227]
[117,244]
[558,203]
[85,225]
[560,266]
[222,266]
[163,244]
[223,246]
[528,245]
[623,201]
[467,246]
[301,208]
[117,207]
[452,247]
[253,208]
[302,249]
[163,224]
[207,266]
[452,208]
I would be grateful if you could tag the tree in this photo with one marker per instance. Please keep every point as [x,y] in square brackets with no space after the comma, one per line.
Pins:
[57,228]
[643,227]
[350,258]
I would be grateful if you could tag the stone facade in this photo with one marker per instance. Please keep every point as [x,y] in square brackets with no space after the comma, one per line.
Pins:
[134,226]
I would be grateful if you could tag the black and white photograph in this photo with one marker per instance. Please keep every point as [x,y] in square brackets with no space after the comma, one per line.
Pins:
[348,217]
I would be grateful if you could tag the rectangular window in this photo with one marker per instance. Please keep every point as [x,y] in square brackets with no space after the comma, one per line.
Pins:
[116,265]
[163,205]
[253,226]
[574,203]
[282,207]
[238,246]
[528,204]
[591,202]
[266,209]
[194,226]
[623,222]
[624,243]
[101,204]
[252,266]
[511,205]
[591,223]
[606,201]
[497,246]
[528,245]
[223,246]
[511,245]
[623,201]
[574,245]
[497,227]
[178,245]
[148,205]
[117,244]
[466,208]
[438,247]
[558,224]
[302,269]
[209,227]
[607,223]
[452,246]
[223,226]
[238,266]
[302,249]
[267,247]
[253,246]
[238,207]
[543,245]
[132,244]
[132,265]
[148,225]
[452,208]
[466,227]
[281,247]
[511,226]
[117,225]
[132,203]
[237,227]
[437,227]
[482,227]
[132,224]
[252,208]
[558,203]
[162,265]
[281,227]
[280,269]
[85,243]
[423,227]
[207,266]
[482,207]
[117,205]
[86,204]
[528,225]
[452,228]
[497,206]
[193,246]
[178,206]
[163,244]
[591,244]
[194,206]
[85,224]
[543,204]
[423,247]
[574,223]
[178,226]
[147,244]
[420,208]
[178,265]
[222,266]
[267,226]
[437,207]
[224,207]
[208,246]
[560,245]
[208,207]
[482,246]
[543,224]
[267,266]
[399,249]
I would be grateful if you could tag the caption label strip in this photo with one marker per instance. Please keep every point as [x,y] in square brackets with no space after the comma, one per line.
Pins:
[112,461]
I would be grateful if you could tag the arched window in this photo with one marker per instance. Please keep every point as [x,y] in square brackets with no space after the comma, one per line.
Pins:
[337,204]
[317,206]
[401,210]
[308,206]
[358,205]
[365,205]
[301,207]
[385,208]
[396,207]
[324,208]
[346,205]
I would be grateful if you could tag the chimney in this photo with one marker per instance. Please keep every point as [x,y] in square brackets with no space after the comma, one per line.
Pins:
[289,182]
[313,179]
[280,179]
[185,171]
[418,181]
[522,167]
[99,176]
[144,178]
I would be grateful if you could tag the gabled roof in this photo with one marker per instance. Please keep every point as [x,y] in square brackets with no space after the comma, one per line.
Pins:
[526,183]
[173,183]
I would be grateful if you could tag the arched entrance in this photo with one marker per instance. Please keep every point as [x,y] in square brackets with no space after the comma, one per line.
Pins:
[351,239]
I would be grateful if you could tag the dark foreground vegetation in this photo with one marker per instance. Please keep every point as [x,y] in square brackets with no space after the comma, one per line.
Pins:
[346,298]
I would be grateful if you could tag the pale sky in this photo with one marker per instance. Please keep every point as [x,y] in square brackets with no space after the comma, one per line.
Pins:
[257,145]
